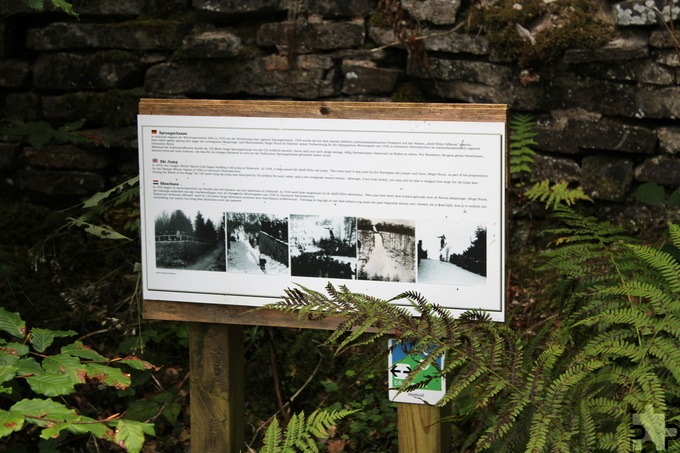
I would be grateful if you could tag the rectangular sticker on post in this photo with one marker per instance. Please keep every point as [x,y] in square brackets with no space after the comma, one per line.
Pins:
[403,360]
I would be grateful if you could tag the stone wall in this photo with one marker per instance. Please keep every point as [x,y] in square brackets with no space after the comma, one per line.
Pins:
[608,116]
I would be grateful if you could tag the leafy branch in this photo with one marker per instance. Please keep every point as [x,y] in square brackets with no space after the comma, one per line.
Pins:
[24,357]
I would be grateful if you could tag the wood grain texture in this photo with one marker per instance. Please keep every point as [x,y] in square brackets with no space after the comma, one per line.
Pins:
[216,361]
[420,430]
[231,314]
[323,109]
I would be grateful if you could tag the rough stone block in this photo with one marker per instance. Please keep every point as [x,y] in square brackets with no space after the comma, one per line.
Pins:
[382,36]
[567,91]
[74,183]
[669,140]
[113,108]
[452,42]
[212,44]
[658,103]
[468,71]
[341,8]
[644,71]
[642,12]
[555,169]
[23,105]
[668,58]
[239,6]
[309,37]
[629,47]
[606,178]
[575,137]
[8,155]
[662,39]
[309,78]
[133,35]
[109,8]
[65,156]
[461,91]
[440,12]
[364,77]
[5,40]
[199,77]
[99,71]
[662,170]
[14,73]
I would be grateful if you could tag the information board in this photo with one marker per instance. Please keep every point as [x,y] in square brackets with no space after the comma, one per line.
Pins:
[237,207]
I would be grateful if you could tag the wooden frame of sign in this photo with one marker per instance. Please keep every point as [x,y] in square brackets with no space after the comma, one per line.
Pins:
[216,344]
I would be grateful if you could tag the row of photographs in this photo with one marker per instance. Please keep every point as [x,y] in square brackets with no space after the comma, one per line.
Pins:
[443,251]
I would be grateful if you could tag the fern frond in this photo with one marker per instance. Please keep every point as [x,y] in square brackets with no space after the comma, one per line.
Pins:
[663,262]
[521,140]
[272,438]
[556,194]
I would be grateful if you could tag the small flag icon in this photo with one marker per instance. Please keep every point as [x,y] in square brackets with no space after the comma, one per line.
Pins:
[155,182]
[155,161]
[153,131]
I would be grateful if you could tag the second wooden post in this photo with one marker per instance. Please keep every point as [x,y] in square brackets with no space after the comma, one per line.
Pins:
[217,366]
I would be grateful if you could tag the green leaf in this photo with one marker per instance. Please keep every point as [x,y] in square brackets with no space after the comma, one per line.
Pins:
[14,349]
[37,409]
[12,323]
[37,5]
[28,366]
[10,421]
[65,7]
[77,424]
[130,434]
[137,364]
[78,349]
[42,339]
[7,372]
[51,384]
[674,200]
[67,365]
[103,232]
[108,375]
[650,193]
[97,198]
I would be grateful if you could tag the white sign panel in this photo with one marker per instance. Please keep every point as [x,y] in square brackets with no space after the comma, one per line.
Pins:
[236,209]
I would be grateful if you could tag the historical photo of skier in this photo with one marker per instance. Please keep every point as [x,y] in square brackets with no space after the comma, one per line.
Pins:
[451,252]
[257,243]
[387,250]
[324,247]
[190,239]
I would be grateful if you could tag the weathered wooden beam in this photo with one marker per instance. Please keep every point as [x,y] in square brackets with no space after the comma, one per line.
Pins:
[420,429]
[216,361]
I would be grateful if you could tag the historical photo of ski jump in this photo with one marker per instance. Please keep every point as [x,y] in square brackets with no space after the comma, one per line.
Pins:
[387,250]
[451,252]
[258,243]
[324,247]
[191,240]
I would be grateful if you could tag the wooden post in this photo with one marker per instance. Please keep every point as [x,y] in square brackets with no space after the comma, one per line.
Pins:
[217,366]
[420,430]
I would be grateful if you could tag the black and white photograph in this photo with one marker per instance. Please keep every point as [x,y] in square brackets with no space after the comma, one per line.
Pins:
[190,240]
[386,250]
[451,252]
[324,247]
[257,243]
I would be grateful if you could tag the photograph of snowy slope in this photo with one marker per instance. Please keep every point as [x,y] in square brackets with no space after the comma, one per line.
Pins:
[258,243]
[190,241]
[324,247]
[451,253]
[387,250]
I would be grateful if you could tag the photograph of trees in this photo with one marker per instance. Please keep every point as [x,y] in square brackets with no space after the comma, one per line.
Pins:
[190,242]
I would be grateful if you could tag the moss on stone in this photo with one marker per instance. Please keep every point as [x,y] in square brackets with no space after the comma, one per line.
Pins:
[408,92]
[555,26]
